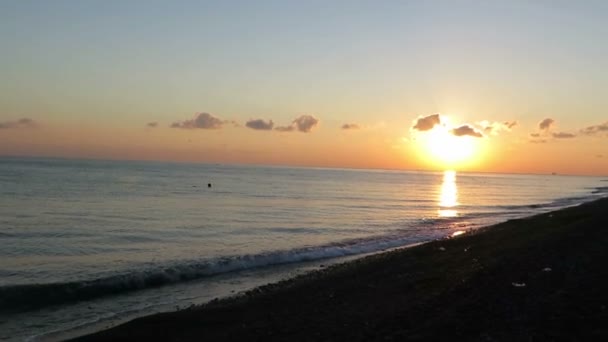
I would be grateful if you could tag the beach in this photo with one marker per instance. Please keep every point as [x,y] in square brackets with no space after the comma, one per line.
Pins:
[537,278]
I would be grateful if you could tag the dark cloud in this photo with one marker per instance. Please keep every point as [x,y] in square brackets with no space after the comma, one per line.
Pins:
[563,135]
[466,130]
[496,127]
[152,124]
[260,124]
[545,130]
[304,123]
[545,124]
[595,129]
[21,123]
[350,126]
[285,128]
[201,120]
[25,122]
[427,123]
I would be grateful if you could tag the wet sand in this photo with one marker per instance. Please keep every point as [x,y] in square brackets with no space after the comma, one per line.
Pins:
[533,279]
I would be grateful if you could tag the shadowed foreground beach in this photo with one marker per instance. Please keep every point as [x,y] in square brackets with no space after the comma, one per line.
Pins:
[539,278]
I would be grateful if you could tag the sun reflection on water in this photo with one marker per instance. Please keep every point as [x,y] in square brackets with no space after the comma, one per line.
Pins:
[448,196]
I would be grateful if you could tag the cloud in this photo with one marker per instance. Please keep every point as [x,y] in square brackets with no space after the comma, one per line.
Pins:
[427,123]
[546,124]
[260,124]
[544,131]
[152,124]
[540,141]
[466,130]
[563,135]
[350,126]
[495,127]
[21,123]
[285,128]
[304,123]
[25,122]
[591,130]
[201,120]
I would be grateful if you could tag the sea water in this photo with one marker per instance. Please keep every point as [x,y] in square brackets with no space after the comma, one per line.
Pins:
[85,244]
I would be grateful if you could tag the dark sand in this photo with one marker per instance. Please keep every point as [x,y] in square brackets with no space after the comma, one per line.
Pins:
[493,285]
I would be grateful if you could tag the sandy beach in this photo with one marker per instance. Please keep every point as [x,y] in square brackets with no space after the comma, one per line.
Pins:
[538,278]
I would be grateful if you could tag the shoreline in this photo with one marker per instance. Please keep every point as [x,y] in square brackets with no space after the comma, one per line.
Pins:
[540,277]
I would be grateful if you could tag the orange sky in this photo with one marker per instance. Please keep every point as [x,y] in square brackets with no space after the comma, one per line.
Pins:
[275,82]
[379,146]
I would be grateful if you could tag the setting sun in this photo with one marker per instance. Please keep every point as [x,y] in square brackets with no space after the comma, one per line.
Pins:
[442,146]
[449,149]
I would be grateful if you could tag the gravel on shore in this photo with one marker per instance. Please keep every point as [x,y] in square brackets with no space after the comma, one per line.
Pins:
[535,279]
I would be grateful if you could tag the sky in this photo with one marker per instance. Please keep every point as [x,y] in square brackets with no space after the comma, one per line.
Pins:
[491,86]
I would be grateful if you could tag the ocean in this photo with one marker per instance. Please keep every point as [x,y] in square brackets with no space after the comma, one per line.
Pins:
[87,244]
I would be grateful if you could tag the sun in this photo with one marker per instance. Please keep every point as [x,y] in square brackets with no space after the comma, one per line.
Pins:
[441,148]
[447,148]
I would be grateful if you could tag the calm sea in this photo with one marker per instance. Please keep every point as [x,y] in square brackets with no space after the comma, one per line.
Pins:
[86,244]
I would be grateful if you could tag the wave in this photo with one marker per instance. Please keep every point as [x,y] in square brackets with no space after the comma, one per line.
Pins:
[558,203]
[600,190]
[20,298]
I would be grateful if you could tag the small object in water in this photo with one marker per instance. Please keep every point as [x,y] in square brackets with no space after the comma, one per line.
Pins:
[209,185]
[442,249]
[547,269]
[519,284]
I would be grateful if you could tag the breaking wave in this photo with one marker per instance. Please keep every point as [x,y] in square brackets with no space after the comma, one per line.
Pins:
[18,298]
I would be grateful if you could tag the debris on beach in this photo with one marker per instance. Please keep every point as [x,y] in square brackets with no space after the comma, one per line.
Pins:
[547,269]
[518,284]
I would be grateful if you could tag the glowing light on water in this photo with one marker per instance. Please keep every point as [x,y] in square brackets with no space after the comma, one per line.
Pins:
[448,195]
